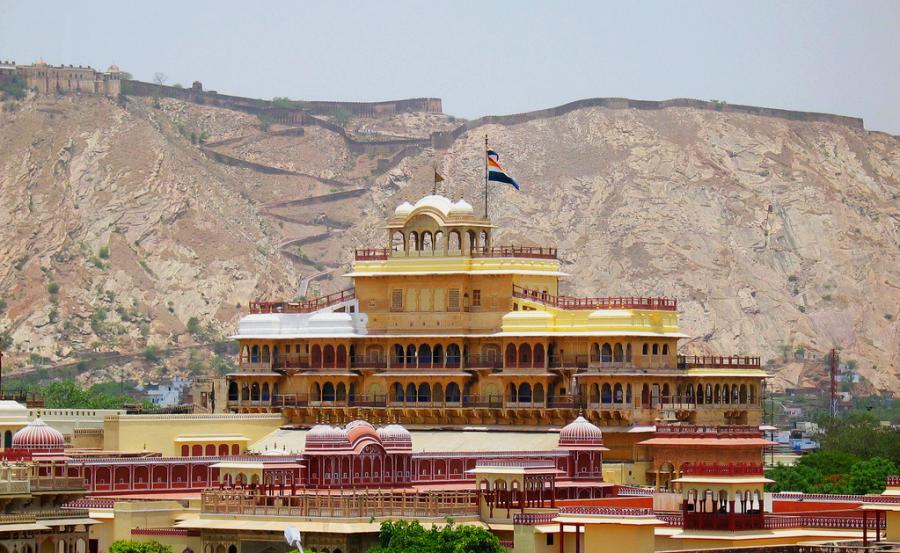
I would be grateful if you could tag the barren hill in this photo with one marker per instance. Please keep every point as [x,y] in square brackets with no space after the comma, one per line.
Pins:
[773,232]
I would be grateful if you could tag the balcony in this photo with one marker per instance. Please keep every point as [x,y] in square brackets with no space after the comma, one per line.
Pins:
[351,504]
[730,469]
[308,306]
[522,252]
[713,362]
[619,302]
[724,521]
[696,431]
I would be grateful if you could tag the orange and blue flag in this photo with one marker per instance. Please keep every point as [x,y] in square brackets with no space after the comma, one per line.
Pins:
[496,172]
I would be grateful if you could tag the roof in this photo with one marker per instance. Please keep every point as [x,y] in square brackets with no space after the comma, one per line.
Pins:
[704,479]
[709,442]
[326,526]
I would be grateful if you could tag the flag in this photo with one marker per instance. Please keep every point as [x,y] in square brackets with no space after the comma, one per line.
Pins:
[496,172]
[438,178]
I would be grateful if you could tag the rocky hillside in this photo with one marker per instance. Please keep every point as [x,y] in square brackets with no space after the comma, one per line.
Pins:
[117,228]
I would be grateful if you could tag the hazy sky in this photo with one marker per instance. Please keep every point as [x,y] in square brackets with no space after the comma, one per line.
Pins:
[488,57]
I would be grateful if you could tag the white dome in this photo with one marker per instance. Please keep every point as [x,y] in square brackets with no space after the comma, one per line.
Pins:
[441,203]
[37,435]
[394,436]
[462,207]
[404,209]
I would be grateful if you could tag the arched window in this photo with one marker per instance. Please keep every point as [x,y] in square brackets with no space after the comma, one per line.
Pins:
[245,392]
[539,355]
[397,389]
[666,394]
[265,354]
[438,353]
[743,393]
[185,450]
[453,242]
[717,396]
[424,355]
[618,354]
[689,394]
[232,393]
[513,393]
[411,355]
[341,392]
[328,392]
[254,354]
[424,393]
[484,240]
[254,392]
[328,357]
[645,395]
[606,393]
[427,242]
[453,355]
[316,356]
[524,355]
[628,353]
[453,395]
[539,393]
[439,241]
[524,392]
[413,241]
[595,352]
[265,392]
[618,396]
[751,395]
[223,450]
[665,350]
[472,240]
[735,394]
[606,353]
[655,349]
[398,357]
[341,356]
[210,450]
[235,449]
[628,394]
[317,392]
[398,242]
[411,394]
[510,355]
[594,393]
[709,394]
[644,350]
[437,393]
[726,397]
[197,450]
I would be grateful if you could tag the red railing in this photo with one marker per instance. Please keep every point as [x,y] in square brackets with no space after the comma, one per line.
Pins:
[785,496]
[534,252]
[371,254]
[89,504]
[724,521]
[730,469]
[307,306]
[713,362]
[621,302]
[892,480]
[695,431]
[775,522]
[164,532]
[527,463]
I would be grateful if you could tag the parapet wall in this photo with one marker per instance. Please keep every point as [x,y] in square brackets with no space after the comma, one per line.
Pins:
[443,140]
[284,114]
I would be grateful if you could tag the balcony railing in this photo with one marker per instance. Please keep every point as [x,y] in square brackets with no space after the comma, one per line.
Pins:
[724,521]
[526,252]
[307,306]
[351,504]
[710,431]
[45,483]
[730,469]
[713,362]
[621,302]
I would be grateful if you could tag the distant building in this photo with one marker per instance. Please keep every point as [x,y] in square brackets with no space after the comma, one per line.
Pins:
[167,394]
[49,79]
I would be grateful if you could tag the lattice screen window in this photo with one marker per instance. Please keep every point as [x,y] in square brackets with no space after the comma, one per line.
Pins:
[397,300]
[453,300]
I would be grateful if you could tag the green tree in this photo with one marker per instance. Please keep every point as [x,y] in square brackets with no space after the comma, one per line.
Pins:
[193,326]
[797,478]
[130,546]
[410,537]
[14,87]
[104,252]
[869,476]
[152,354]
[341,116]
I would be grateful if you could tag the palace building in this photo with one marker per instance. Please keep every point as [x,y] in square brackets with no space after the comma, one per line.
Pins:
[444,327]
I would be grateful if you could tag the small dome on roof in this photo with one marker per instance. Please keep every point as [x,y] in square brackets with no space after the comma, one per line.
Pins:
[40,62]
[435,201]
[404,209]
[113,69]
[580,434]
[38,436]
[322,436]
[394,436]
[359,422]
[461,207]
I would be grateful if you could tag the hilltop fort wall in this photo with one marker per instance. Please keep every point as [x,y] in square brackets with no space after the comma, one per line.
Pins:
[50,79]
[284,114]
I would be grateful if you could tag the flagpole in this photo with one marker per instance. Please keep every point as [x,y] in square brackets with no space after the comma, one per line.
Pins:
[485,176]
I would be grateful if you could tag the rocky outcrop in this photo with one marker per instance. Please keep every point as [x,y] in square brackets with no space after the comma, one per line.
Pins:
[774,232]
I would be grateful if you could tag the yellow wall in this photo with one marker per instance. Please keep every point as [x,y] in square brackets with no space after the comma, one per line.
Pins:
[142,514]
[617,538]
[893,525]
[158,432]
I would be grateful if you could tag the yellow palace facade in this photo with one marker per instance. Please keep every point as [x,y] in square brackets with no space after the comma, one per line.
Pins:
[442,327]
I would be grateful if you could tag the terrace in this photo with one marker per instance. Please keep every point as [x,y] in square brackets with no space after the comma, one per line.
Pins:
[522,252]
[617,302]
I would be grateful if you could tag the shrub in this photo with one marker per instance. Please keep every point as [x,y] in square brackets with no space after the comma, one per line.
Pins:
[193,326]
[152,354]
[53,288]
[14,87]
[104,252]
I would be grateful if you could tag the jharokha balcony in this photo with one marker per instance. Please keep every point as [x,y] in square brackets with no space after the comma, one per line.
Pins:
[714,469]
[619,302]
[708,431]
[524,252]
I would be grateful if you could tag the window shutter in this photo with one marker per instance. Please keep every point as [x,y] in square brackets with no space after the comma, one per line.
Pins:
[453,300]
